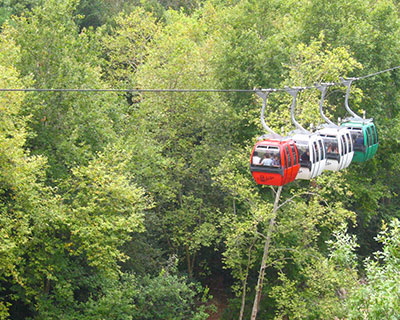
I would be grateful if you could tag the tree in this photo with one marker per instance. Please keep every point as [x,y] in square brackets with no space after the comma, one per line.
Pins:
[325,283]
[68,128]
[253,42]
[23,196]
[75,245]
[377,295]
[9,8]
[102,194]
[290,238]
[183,137]
[127,45]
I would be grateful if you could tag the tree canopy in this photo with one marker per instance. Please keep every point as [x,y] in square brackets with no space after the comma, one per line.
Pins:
[133,205]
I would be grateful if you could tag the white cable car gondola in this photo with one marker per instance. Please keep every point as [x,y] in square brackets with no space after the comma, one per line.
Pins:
[338,142]
[310,146]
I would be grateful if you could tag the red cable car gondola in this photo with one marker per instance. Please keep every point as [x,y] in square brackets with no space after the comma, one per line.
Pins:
[274,160]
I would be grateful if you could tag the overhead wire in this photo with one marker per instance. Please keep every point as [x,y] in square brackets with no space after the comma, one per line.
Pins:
[138,90]
[124,90]
[377,73]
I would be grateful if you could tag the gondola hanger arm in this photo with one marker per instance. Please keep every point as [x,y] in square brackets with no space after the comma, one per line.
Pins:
[347,83]
[263,94]
[323,87]
[294,92]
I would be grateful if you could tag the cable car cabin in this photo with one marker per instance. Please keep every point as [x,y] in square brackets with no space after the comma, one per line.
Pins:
[364,137]
[274,162]
[339,147]
[312,153]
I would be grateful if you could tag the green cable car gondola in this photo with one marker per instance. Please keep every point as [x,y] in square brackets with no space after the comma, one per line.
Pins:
[363,131]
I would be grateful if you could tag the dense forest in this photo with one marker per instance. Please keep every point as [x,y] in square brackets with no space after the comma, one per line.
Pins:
[128,205]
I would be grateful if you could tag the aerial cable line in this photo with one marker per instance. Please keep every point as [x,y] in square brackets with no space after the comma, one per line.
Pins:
[126,90]
[376,73]
[188,90]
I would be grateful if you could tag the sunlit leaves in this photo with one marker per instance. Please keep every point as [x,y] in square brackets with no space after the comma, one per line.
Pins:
[22,195]
[55,55]
[105,209]
[127,45]
[378,295]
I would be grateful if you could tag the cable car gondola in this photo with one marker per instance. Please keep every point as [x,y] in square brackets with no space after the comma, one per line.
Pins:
[363,131]
[337,140]
[274,160]
[310,146]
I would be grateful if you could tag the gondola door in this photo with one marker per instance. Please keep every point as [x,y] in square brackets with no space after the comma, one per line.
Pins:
[376,140]
[349,143]
[295,160]
[285,166]
[291,166]
[317,158]
[342,151]
[322,163]
[372,143]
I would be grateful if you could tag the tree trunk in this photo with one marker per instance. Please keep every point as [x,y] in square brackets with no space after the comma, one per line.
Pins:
[257,298]
[189,265]
[245,283]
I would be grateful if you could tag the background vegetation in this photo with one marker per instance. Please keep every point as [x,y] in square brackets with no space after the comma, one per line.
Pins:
[138,206]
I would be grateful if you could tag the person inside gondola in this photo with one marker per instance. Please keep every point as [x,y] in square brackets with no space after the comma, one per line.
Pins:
[276,162]
[256,159]
[305,159]
[359,140]
[332,149]
[267,161]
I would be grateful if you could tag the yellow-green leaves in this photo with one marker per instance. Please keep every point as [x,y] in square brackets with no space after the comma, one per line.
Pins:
[127,46]
[104,209]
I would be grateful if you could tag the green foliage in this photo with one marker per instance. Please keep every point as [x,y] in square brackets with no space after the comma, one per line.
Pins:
[9,8]
[68,128]
[182,138]
[166,296]
[321,290]
[75,243]
[377,297]
[105,208]
[253,43]
[94,13]
[21,191]
[127,46]
[98,187]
